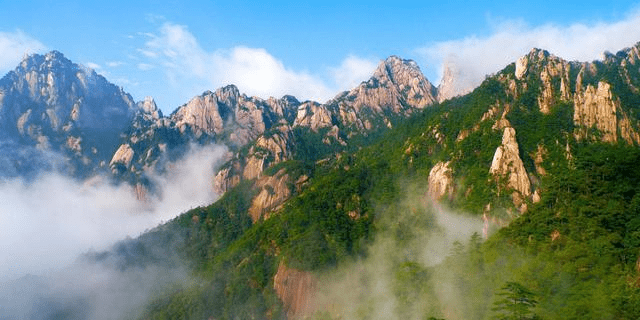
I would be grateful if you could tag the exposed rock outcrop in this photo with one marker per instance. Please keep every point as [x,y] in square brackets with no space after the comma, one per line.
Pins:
[595,106]
[313,115]
[440,180]
[507,163]
[521,67]
[394,84]
[123,156]
[201,113]
[273,192]
[224,181]
[295,289]
[397,87]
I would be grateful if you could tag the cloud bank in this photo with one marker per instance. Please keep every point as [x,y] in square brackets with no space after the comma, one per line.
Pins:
[475,56]
[47,223]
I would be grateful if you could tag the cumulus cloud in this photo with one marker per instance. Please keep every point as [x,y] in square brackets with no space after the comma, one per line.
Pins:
[47,223]
[254,70]
[353,71]
[13,46]
[478,56]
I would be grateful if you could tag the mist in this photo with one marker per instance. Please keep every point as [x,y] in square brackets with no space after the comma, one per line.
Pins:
[413,238]
[50,222]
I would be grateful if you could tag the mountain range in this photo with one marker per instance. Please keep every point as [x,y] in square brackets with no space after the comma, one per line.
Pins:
[60,115]
[543,155]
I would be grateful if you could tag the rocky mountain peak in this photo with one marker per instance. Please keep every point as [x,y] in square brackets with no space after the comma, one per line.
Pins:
[228,94]
[397,85]
[397,69]
[51,103]
[148,107]
[65,93]
[50,60]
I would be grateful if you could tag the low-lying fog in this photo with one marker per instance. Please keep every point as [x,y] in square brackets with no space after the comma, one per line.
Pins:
[49,222]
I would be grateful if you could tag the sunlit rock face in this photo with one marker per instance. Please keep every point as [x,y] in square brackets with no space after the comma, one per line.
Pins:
[440,180]
[295,289]
[397,88]
[598,113]
[507,163]
[397,85]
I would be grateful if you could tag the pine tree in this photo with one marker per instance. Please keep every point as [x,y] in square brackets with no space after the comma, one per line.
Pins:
[515,303]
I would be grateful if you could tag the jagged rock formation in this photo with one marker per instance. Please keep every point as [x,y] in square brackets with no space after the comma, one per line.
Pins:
[397,88]
[123,156]
[396,83]
[507,163]
[588,87]
[593,99]
[225,116]
[313,115]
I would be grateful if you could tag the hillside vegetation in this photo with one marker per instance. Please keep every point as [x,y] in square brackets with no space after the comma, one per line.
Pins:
[568,238]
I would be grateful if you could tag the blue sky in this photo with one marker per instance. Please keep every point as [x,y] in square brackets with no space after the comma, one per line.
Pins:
[174,50]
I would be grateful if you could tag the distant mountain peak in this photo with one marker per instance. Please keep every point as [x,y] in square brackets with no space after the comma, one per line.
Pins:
[454,82]
[51,60]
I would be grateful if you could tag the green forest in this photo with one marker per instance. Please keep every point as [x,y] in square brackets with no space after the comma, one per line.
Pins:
[364,220]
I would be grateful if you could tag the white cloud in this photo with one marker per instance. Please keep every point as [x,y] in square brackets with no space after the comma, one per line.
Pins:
[114,64]
[13,46]
[94,66]
[353,71]
[254,70]
[478,56]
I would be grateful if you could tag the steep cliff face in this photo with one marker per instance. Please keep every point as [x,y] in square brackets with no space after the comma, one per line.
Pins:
[295,289]
[440,180]
[274,191]
[228,112]
[588,87]
[313,115]
[552,104]
[397,85]
[507,164]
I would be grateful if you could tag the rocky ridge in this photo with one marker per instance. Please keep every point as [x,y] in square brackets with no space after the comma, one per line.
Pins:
[224,116]
[588,87]
[397,88]
[597,96]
